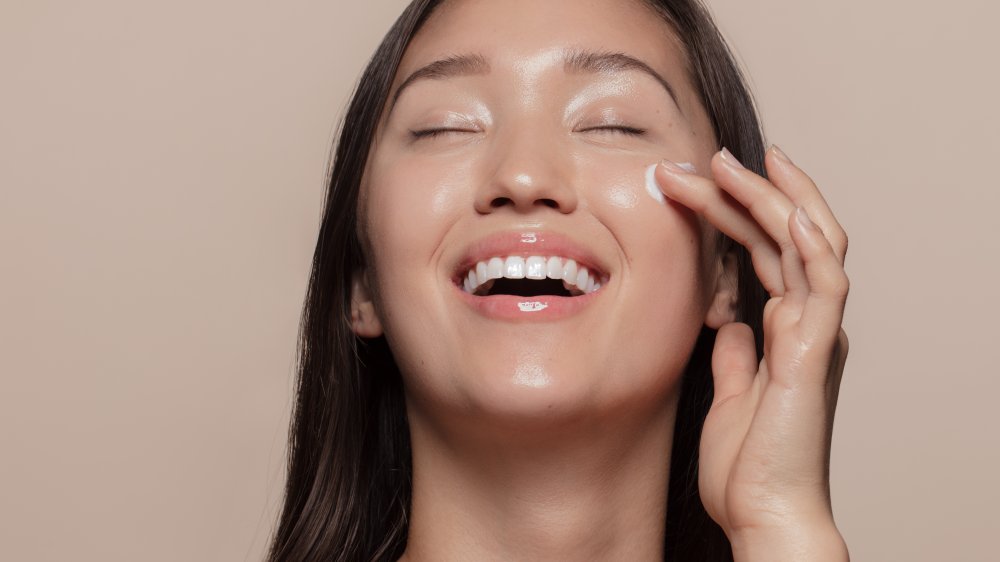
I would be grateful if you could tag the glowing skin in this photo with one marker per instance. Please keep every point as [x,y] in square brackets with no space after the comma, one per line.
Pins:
[542,426]
[532,151]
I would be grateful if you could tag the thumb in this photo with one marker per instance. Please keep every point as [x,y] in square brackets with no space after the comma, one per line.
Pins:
[734,360]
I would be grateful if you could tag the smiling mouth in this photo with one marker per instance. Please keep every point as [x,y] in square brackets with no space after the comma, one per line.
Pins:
[531,276]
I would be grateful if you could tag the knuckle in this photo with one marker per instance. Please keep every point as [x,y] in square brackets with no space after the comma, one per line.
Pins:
[787,246]
[840,285]
[843,242]
[843,343]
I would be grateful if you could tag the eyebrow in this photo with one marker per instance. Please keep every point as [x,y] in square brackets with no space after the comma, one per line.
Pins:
[574,62]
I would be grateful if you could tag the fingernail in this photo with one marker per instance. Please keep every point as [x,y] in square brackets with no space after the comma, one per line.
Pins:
[674,168]
[731,160]
[803,219]
[780,154]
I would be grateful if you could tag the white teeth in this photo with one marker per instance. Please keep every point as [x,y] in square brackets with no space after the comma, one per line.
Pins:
[578,280]
[581,278]
[471,281]
[554,268]
[494,268]
[569,271]
[536,268]
[514,268]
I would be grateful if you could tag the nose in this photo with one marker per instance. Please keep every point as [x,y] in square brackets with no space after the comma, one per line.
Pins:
[529,174]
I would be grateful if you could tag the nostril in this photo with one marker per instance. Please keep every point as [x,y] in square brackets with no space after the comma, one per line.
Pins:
[499,202]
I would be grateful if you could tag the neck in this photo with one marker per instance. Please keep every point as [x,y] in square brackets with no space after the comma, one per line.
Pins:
[593,489]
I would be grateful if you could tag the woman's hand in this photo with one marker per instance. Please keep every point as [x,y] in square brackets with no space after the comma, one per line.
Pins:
[765,448]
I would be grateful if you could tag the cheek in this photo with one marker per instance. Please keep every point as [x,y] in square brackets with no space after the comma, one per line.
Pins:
[410,205]
[618,195]
[663,244]
[415,192]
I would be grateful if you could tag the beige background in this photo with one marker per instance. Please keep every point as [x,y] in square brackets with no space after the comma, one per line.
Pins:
[161,170]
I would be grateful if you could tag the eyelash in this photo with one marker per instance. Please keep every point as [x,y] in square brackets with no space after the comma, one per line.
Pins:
[430,133]
[620,129]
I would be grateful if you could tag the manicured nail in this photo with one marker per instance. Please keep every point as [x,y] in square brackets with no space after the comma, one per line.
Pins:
[803,218]
[674,168]
[780,154]
[731,160]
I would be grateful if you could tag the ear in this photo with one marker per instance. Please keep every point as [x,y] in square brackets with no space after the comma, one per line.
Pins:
[722,309]
[364,321]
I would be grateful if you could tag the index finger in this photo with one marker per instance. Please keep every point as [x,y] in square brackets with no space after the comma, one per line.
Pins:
[702,196]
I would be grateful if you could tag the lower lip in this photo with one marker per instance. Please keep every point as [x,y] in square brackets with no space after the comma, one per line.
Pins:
[543,308]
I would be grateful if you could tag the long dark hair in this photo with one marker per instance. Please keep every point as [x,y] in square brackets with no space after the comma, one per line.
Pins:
[348,490]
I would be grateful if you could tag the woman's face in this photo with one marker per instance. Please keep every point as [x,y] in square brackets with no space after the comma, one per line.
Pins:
[531,163]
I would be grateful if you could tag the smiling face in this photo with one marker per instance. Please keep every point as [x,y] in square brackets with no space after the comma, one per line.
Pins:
[518,147]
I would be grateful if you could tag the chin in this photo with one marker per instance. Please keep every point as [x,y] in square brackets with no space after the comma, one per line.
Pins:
[537,395]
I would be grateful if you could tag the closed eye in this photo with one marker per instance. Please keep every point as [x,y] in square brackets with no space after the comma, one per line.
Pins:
[431,133]
[619,129]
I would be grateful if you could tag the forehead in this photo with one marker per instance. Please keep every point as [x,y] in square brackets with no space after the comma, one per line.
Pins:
[530,37]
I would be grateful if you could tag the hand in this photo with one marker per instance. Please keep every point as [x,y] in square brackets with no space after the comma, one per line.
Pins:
[765,447]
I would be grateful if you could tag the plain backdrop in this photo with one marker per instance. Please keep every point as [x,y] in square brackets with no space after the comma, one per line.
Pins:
[161,172]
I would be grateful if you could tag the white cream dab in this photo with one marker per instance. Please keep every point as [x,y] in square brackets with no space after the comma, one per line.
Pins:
[532,306]
[651,186]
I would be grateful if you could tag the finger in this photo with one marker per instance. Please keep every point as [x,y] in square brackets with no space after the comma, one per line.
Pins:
[803,192]
[734,361]
[702,196]
[770,208]
[765,202]
[823,311]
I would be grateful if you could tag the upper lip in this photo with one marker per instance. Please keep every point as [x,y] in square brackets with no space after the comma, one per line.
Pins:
[518,243]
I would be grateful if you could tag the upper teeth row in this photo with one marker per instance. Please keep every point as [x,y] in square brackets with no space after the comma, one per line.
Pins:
[576,278]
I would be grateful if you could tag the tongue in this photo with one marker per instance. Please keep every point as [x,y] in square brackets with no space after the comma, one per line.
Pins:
[529,287]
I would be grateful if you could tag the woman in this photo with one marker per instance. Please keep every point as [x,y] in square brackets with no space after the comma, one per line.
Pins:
[515,348]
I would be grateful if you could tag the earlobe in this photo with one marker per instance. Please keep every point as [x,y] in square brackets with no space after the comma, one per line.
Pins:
[722,309]
[364,321]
